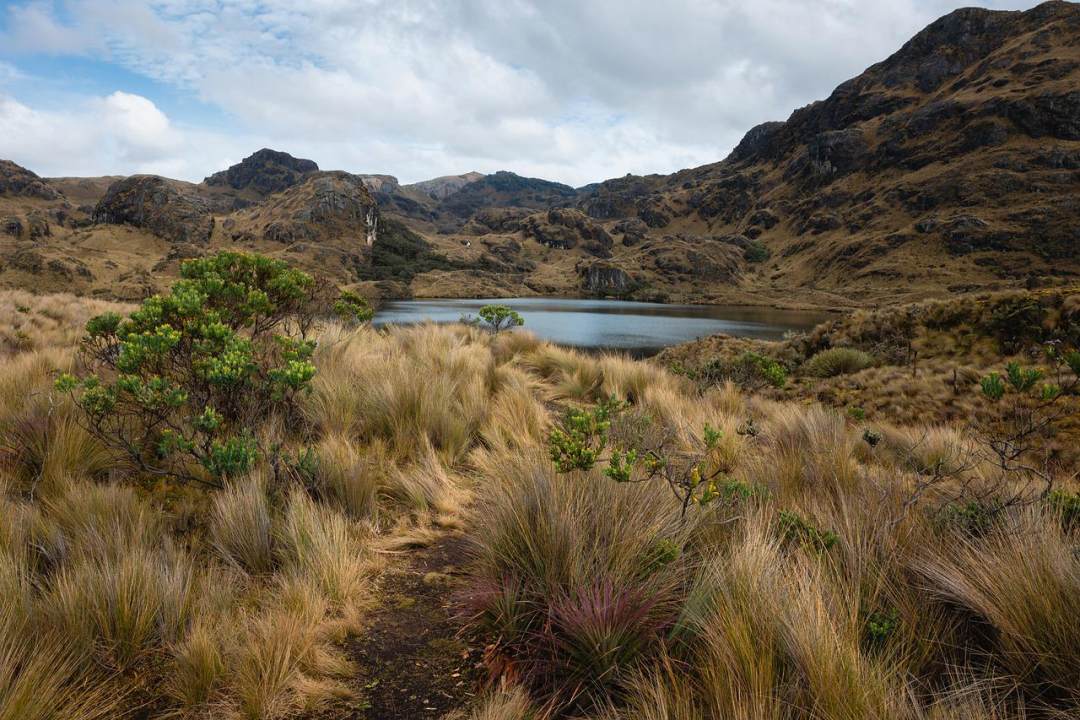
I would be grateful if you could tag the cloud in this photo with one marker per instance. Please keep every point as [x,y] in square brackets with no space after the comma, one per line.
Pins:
[120,133]
[576,91]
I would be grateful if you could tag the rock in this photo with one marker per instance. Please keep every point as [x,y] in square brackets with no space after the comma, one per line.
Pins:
[755,143]
[12,226]
[1046,115]
[501,220]
[326,205]
[764,218]
[565,228]
[653,218]
[727,198]
[29,261]
[38,224]
[618,198]
[266,171]
[169,209]
[17,181]
[829,154]
[602,278]
[633,231]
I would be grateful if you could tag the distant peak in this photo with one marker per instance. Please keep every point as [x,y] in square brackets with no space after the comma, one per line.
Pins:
[266,170]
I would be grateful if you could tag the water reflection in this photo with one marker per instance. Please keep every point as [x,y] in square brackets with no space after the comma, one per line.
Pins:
[637,327]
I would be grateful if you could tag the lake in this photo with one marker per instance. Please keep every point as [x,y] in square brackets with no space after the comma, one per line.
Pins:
[640,328]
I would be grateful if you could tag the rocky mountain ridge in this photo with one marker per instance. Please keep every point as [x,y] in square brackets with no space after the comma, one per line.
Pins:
[952,165]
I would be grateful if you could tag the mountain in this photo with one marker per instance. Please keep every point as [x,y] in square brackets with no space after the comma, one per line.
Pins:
[952,165]
[440,188]
[265,171]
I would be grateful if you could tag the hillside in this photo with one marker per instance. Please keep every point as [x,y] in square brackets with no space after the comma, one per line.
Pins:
[952,166]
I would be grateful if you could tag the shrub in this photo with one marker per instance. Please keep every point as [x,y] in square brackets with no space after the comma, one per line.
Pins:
[499,317]
[756,252]
[837,361]
[750,370]
[185,377]
[353,309]
[795,529]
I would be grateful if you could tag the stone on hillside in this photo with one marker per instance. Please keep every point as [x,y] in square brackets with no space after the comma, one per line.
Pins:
[564,228]
[17,181]
[171,210]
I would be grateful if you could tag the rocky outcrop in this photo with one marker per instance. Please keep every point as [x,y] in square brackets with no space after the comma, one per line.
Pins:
[266,171]
[17,181]
[440,188]
[326,206]
[169,209]
[564,228]
[506,189]
[603,278]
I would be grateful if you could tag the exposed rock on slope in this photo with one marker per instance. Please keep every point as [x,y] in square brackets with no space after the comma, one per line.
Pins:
[169,209]
[440,188]
[17,181]
[505,189]
[326,206]
[566,229]
[266,171]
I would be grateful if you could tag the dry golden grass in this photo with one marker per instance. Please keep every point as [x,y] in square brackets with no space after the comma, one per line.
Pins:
[600,600]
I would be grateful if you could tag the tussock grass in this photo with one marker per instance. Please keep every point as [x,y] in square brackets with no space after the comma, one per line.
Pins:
[812,589]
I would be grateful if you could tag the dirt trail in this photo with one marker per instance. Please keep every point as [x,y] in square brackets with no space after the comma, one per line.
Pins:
[413,660]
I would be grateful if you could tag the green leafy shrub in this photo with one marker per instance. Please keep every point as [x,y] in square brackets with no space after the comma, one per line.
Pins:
[353,309]
[797,530]
[879,626]
[1067,506]
[750,370]
[756,252]
[178,384]
[500,317]
[837,361]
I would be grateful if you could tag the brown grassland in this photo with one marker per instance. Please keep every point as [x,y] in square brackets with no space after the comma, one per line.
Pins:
[836,576]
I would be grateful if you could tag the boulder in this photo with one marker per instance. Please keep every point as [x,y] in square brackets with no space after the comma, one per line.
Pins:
[169,209]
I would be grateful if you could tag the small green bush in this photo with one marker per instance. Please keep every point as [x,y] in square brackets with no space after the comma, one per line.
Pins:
[499,317]
[179,383]
[837,361]
[796,530]
[756,252]
[750,370]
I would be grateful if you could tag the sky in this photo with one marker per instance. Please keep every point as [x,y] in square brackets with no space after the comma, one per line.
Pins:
[570,90]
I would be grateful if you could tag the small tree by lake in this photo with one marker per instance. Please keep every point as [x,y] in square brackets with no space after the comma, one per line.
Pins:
[500,317]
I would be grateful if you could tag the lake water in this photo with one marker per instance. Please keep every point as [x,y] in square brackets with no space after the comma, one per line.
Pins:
[637,327]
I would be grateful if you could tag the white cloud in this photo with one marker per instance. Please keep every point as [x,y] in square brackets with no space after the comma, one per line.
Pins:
[572,90]
[117,134]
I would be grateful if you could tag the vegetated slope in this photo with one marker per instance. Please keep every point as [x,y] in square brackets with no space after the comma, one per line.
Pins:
[124,237]
[845,568]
